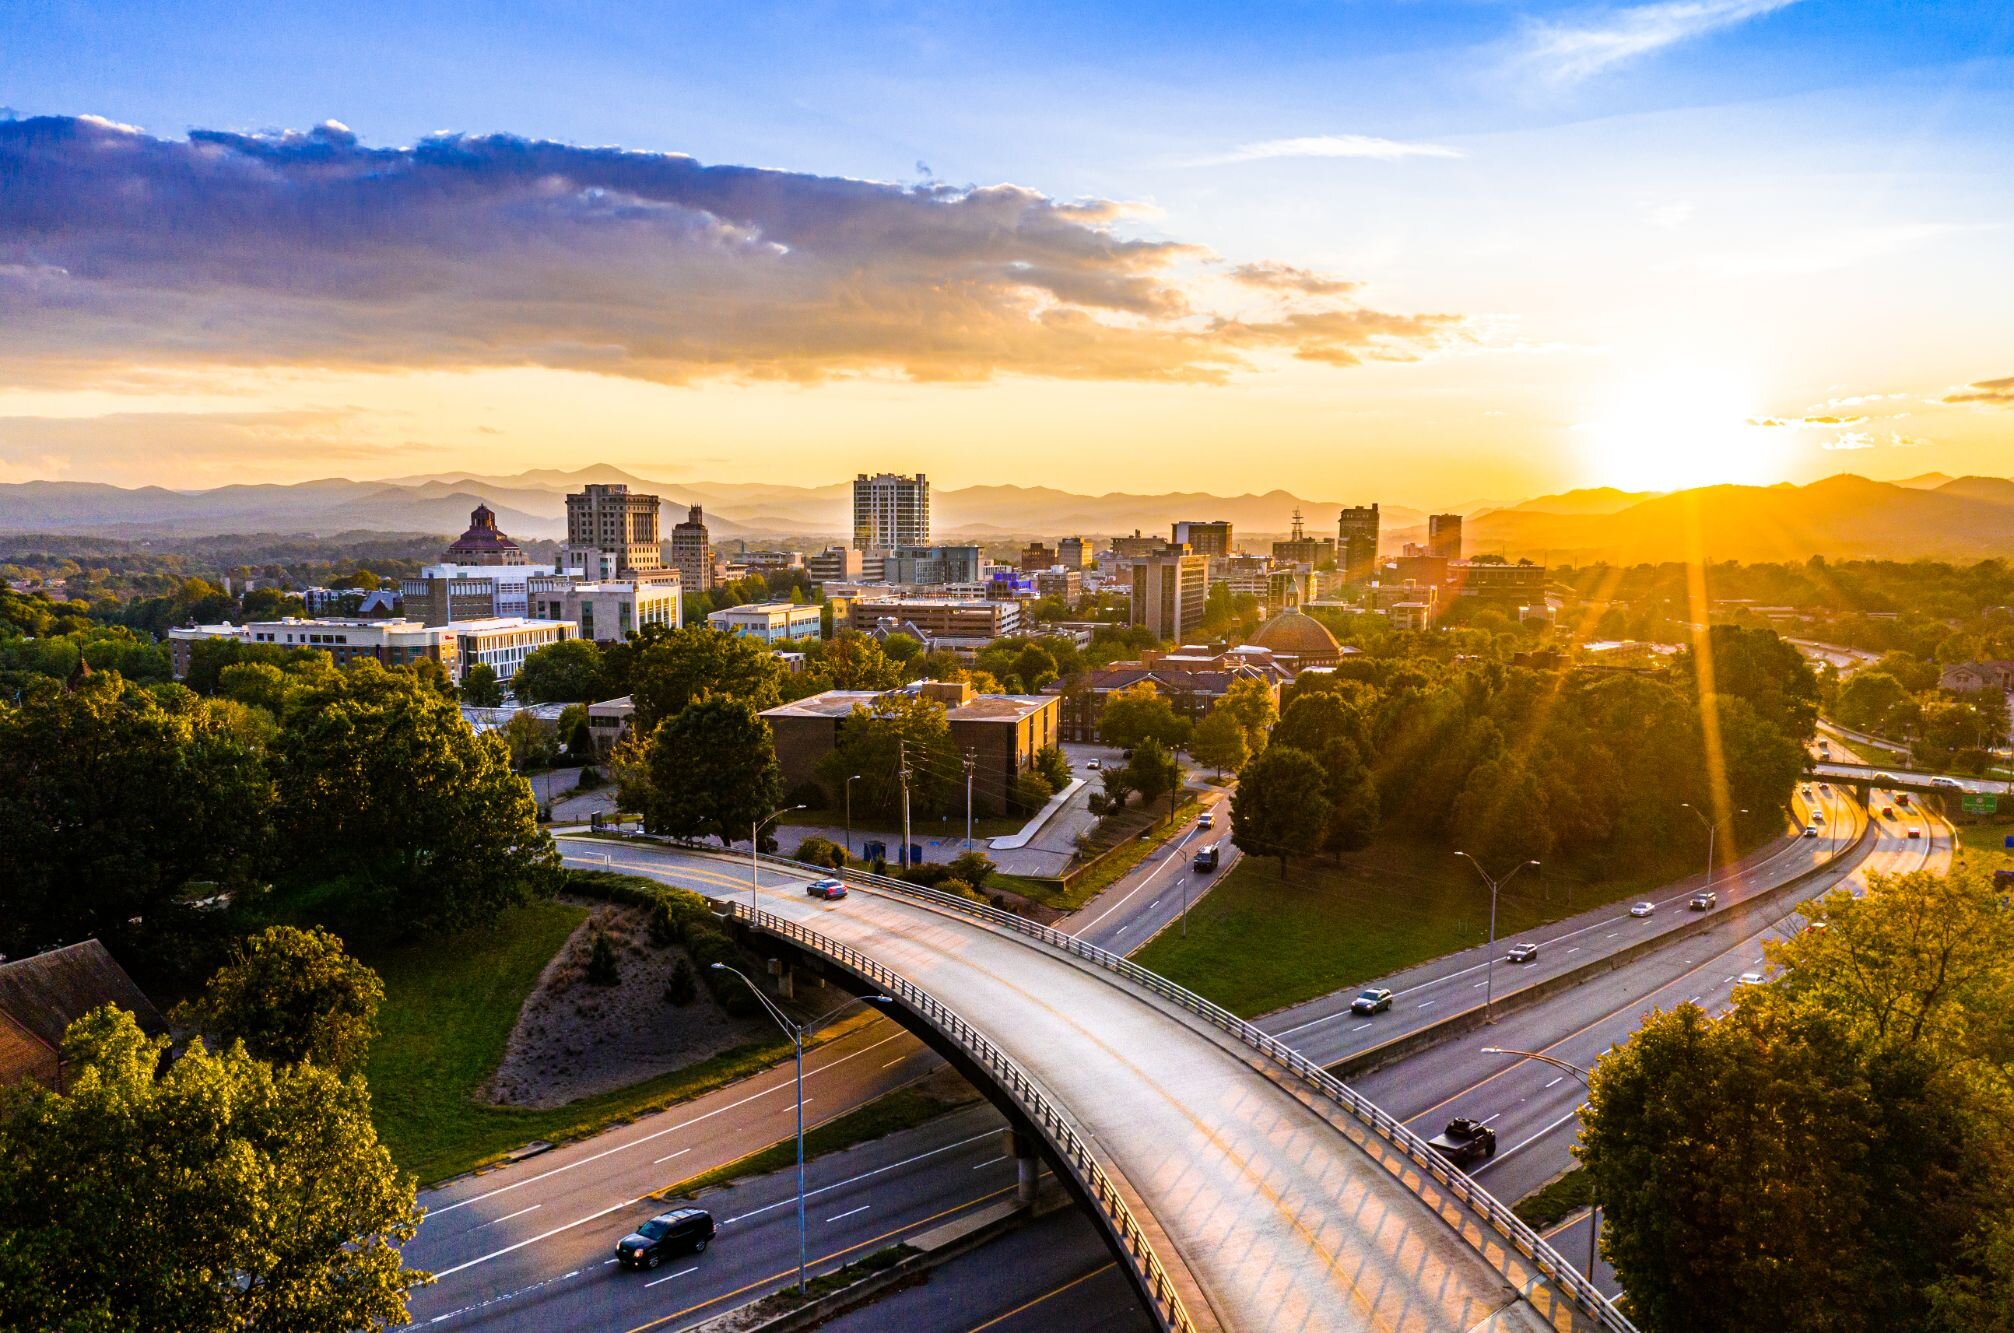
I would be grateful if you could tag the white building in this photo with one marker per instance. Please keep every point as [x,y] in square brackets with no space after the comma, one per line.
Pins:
[609,610]
[771,622]
[444,593]
[504,642]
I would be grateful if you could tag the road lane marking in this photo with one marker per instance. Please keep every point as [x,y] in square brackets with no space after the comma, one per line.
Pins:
[1360,1027]
[851,1212]
[543,1235]
[683,1272]
[668,1156]
[865,1175]
[1426,1004]
[508,1216]
[896,1061]
[991,1161]
[1055,1291]
[1554,1081]
[1526,1143]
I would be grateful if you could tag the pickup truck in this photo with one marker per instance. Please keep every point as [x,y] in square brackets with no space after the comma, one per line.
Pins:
[1465,1141]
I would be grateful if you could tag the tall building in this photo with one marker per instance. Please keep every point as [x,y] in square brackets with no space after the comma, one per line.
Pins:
[1169,590]
[622,527]
[1212,538]
[1301,549]
[1444,535]
[1076,553]
[483,544]
[890,510]
[692,551]
[1357,543]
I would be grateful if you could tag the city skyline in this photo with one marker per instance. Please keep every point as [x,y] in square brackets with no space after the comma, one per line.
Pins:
[1494,244]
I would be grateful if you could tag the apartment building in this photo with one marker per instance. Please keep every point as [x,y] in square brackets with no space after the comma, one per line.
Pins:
[1357,543]
[890,510]
[692,551]
[1169,591]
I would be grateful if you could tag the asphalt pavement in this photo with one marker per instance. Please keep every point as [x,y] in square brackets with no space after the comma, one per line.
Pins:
[1153,895]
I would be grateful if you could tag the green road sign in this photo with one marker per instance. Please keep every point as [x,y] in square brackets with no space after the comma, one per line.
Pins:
[1980,803]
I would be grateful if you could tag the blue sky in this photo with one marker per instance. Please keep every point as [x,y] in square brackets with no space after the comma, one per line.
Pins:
[1788,205]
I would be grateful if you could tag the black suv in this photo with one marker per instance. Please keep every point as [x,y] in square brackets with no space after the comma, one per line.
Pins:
[665,1235]
[1465,1141]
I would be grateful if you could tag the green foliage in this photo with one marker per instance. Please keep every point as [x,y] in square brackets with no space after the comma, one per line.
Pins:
[206,1194]
[1219,741]
[681,988]
[1153,772]
[382,779]
[973,867]
[110,802]
[872,742]
[1873,700]
[481,687]
[1054,766]
[1281,805]
[531,742]
[291,996]
[850,660]
[818,851]
[665,669]
[712,772]
[1031,792]
[602,968]
[1139,714]
[564,672]
[1252,704]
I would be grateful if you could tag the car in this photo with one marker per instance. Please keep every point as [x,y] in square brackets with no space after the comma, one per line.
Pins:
[1465,1141]
[1375,1000]
[682,1231]
[1888,812]
[1749,979]
[1093,766]
[1942,781]
[1208,819]
[1704,901]
[1206,858]
[1825,787]
[1643,909]
[828,888]
[1807,792]
[1811,833]
[1884,778]
[1522,953]
[1916,833]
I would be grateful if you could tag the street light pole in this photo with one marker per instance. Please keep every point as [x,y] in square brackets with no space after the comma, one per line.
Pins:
[755,851]
[849,814]
[1709,838]
[1490,964]
[795,1031]
[1586,1081]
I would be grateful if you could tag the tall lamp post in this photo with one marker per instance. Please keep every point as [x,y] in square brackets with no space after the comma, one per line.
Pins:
[1489,967]
[1710,830]
[849,814]
[755,850]
[1594,1205]
[796,1031]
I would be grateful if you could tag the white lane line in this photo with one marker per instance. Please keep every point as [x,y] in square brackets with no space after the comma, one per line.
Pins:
[1693,1000]
[1360,1027]
[1166,861]
[865,1175]
[668,1156]
[683,1272]
[508,1216]
[851,1212]
[1492,1117]
[1554,1081]
[1525,1143]
[606,1262]
[896,1061]
[1480,984]
[991,1161]
[1575,949]
[1428,1004]
[543,1235]
[658,1134]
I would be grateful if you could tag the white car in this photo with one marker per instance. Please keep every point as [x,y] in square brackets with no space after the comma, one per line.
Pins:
[1749,979]
[1093,766]
[1208,819]
[1942,781]
[1643,909]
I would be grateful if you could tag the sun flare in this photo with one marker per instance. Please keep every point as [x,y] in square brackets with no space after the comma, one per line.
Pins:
[1679,429]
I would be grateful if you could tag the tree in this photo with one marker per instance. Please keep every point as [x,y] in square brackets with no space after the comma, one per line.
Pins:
[1281,805]
[1031,792]
[602,967]
[1054,766]
[293,995]
[713,772]
[1154,773]
[481,687]
[1139,714]
[681,988]
[855,661]
[1253,704]
[531,742]
[381,778]
[210,1194]
[1219,741]
[664,669]
[874,741]
[1035,666]
[1871,701]
[974,867]
[902,649]
[565,672]
[111,802]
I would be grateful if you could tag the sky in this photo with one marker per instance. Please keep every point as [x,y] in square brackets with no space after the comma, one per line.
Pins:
[1432,253]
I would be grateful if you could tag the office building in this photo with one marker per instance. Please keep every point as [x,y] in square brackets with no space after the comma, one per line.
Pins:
[1212,538]
[1522,584]
[973,619]
[503,643]
[890,511]
[771,622]
[1037,556]
[1135,546]
[1301,549]
[609,610]
[446,593]
[392,642]
[621,525]
[1062,581]
[483,543]
[1076,553]
[1444,536]
[1357,543]
[1169,590]
[692,551]
[929,566]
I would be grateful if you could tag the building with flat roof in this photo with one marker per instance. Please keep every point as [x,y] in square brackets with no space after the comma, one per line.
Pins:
[503,643]
[1001,732]
[692,551]
[1062,581]
[771,622]
[609,610]
[483,543]
[890,510]
[1522,584]
[841,564]
[1444,536]
[444,593]
[932,566]
[1357,543]
[607,722]
[610,518]
[1076,553]
[931,618]
[1210,538]
[1301,549]
[345,639]
[1169,592]
[1036,557]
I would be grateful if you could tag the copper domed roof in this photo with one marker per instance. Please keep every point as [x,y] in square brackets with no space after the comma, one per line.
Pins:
[1295,633]
[483,535]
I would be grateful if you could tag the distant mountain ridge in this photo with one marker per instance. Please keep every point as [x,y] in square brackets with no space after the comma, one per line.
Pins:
[1965,518]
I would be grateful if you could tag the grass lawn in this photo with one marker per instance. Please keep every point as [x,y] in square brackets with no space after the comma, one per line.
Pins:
[1984,844]
[450,1005]
[1259,942]
[1131,851]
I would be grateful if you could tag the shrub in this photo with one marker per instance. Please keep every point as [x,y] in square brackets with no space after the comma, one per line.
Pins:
[818,851]
[601,964]
[972,867]
[681,988]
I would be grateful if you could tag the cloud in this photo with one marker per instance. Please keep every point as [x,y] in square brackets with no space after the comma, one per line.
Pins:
[118,248]
[1999,393]
[196,446]
[1274,276]
[1331,145]
[1570,52]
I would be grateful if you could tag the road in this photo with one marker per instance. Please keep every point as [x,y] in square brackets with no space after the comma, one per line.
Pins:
[1325,1029]
[1153,895]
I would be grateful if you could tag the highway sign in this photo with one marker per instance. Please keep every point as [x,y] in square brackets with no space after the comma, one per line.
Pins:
[1980,803]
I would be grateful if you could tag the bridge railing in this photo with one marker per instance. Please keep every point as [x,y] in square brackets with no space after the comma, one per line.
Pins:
[1578,1288]
[1026,1094]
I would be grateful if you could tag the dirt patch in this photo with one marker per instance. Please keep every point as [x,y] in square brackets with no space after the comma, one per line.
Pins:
[575,1038]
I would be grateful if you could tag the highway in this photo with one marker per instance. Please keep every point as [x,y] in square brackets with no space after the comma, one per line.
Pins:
[1152,896]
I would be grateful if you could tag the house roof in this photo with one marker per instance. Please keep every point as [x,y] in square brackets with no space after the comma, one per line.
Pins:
[49,991]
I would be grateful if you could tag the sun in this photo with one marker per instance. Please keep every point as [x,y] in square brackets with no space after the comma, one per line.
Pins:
[1677,429]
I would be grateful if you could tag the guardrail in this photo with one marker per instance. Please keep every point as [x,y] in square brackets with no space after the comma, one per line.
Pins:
[1577,1287]
[1015,1082]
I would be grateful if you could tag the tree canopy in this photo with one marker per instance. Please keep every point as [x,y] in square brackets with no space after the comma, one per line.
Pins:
[712,772]
[663,670]
[565,672]
[293,995]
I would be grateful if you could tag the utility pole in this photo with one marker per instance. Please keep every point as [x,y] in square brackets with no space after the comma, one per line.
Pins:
[969,758]
[902,753]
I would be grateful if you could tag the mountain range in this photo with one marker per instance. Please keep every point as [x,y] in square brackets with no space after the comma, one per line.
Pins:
[1844,516]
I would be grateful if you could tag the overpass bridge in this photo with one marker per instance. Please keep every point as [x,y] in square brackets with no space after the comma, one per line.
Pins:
[1865,778]
[1240,1185]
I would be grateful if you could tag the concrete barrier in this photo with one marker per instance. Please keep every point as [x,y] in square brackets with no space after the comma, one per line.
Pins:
[1468,1020]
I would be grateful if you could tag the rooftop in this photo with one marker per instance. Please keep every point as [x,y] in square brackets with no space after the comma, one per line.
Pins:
[985,708]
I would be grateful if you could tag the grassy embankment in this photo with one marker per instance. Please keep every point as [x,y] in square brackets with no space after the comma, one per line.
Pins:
[1261,941]
[450,1005]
